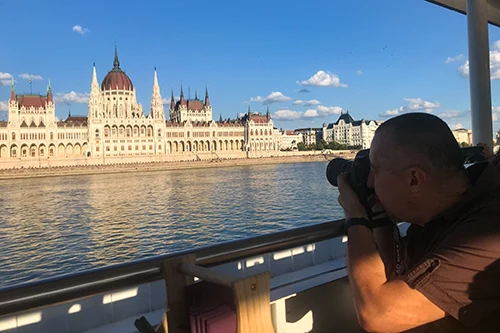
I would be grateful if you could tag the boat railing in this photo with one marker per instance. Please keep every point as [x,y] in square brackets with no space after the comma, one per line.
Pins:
[70,287]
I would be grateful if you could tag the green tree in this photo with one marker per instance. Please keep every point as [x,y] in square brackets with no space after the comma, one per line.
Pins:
[464,144]
[301,146]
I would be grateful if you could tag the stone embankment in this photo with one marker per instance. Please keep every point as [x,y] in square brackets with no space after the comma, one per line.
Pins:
[159,166]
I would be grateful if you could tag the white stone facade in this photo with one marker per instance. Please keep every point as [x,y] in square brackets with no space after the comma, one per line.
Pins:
[117,127]
[290,139]
[350,132]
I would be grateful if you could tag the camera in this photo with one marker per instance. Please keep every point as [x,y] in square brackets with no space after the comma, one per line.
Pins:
[357,175]
[358,170]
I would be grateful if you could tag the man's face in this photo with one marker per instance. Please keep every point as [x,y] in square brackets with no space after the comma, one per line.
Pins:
[391,187]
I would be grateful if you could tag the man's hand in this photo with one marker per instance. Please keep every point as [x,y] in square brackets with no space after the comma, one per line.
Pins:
[488,152]
[349,200]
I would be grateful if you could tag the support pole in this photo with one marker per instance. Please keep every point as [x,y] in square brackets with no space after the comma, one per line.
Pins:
[479,71]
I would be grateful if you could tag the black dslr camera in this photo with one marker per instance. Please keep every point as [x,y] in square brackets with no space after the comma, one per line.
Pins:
[357,175]
[358,170]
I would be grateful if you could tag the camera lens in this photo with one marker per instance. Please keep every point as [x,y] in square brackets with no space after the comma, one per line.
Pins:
[336,167]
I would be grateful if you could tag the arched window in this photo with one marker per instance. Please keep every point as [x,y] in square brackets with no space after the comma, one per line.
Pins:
[106,132]
[13,136]
[97,133]
[159,132]
[51,136]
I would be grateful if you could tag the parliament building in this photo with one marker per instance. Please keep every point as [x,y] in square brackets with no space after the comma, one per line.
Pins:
[117,130]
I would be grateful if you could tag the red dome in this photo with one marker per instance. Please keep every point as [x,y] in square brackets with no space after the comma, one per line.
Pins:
[116,79]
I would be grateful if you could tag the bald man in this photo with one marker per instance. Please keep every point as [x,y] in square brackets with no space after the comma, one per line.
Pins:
[444,275]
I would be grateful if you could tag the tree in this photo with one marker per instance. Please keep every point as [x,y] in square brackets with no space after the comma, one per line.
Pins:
[301,146]
[464,144]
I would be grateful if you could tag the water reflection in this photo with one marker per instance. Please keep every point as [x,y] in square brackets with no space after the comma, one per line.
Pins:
[51,226]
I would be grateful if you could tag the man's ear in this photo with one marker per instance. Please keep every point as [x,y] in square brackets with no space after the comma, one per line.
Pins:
[416,179]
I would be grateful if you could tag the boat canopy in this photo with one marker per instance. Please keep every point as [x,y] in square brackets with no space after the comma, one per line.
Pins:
[479,14]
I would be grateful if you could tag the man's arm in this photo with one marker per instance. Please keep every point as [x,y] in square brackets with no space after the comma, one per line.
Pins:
[382,305]
[385,240]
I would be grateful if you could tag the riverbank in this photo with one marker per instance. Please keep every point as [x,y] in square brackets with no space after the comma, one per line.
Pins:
[157,166]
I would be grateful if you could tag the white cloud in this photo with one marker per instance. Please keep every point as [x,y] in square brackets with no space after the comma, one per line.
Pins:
[451,115]
[414,104]
[166,100]
[324,111]
[359,72]
[4,105]
[27,76]
[303,90]
[495,113]
[323,79]
[274,97]
[71,97]
[306,103]
[287,115]
[459,57]
[456,126]
[320,111]
[81,30]
[5,79]
[463,69]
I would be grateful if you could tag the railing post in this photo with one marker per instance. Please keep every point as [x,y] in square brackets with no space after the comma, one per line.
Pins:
[479,71]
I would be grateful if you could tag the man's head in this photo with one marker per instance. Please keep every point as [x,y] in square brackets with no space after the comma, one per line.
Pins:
[417,166]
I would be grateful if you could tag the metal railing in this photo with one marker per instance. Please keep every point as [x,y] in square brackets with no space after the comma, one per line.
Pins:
[70,287]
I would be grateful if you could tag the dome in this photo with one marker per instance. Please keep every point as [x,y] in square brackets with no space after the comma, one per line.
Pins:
[116,79]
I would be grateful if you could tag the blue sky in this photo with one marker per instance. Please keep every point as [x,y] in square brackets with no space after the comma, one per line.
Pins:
[373,58]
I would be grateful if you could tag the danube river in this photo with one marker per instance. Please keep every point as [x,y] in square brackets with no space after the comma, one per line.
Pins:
[51,226]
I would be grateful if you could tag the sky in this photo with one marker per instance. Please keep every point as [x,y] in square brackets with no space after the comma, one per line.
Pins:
[307,61]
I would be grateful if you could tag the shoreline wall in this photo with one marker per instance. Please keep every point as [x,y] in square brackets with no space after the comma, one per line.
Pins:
[28,168]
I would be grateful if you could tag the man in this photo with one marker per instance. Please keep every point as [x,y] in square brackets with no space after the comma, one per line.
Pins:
[446,278]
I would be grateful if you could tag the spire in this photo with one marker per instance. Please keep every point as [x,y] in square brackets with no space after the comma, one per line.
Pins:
[49,92]
[156,100]
[172,101]
[268,114]
[207,101]
[196,94]
[116,63]
[13,91]
[155,83]
[249,112]
[183,101]
[220,119]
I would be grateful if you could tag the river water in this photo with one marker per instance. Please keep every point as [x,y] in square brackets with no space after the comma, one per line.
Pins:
[51,226]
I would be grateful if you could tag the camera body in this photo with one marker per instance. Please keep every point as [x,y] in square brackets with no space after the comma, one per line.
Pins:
[357,171]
